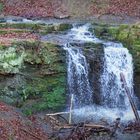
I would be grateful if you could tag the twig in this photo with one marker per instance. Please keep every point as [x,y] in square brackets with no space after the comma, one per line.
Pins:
[58,113]
[31,134]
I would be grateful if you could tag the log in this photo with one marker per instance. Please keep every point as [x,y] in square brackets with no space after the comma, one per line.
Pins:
[128,93]
[71,106]
[58,113]
[95,126]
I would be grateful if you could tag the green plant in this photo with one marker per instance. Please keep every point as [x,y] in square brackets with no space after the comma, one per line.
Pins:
[10,60]
[55,99]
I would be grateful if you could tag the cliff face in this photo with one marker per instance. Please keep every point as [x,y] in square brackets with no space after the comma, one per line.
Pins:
[32,72]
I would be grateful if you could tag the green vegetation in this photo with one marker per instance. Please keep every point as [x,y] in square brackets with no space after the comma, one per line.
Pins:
[10,60]
[50,94]
[33,73]
[39,76]
[40,28]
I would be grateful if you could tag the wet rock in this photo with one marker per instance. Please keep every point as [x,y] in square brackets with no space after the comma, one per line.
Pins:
[60,15]
[2,20]
[95,57]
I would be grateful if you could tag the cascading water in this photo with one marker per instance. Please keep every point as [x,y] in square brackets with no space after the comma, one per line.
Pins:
[117,60]
[78,83]
[77,69]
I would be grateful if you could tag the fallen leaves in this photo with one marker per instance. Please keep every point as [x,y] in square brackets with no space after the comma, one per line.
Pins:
[118,7]
[13,125]
[9,37]
[50,8]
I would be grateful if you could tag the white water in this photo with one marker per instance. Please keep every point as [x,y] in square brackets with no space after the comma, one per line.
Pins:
[78,83]
[81,33]
[116,60]
[77,69]
[96,113]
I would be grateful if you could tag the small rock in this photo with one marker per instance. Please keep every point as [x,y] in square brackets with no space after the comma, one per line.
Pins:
[61,16]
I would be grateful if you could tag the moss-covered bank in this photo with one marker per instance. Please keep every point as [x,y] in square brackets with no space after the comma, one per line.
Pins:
[35,27]
[32,72]
[32,76]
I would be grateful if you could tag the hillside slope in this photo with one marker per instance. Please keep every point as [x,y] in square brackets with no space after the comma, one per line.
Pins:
[73,8]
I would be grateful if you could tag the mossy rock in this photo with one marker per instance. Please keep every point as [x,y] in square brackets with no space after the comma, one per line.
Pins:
[11,60]
[62,27]
[38,73]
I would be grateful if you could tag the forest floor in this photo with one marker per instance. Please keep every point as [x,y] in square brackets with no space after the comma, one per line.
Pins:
[15,126]
[72,8]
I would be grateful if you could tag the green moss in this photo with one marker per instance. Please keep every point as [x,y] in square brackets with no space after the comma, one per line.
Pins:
[123,35]
[62,27]
[113,30]
[40,76]
[10,60]
[49,92]
[123,26]
[31,26]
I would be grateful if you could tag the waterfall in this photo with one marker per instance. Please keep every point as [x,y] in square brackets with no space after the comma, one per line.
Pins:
[78,83]
[116,60]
